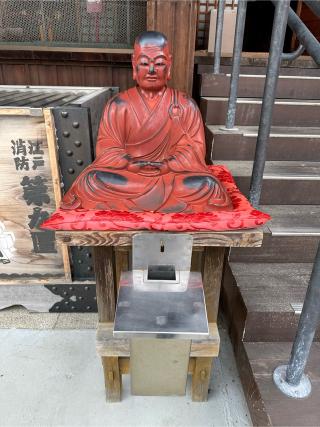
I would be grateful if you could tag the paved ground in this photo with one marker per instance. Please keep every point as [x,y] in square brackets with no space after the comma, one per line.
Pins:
[50,376]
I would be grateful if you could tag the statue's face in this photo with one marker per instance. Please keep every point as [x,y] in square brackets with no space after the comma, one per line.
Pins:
[151,66]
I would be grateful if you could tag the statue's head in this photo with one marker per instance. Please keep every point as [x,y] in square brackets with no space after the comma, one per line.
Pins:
[151,61]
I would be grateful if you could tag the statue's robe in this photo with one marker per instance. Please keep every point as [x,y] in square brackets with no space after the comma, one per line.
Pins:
[172,130]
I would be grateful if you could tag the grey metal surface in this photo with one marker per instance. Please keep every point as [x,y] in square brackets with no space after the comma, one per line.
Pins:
[159,367]
[218,39]
[236,60]
[37,96]
[308,323]
[161,314]
[161,261]
[299,391]
[276,49]
[293,55]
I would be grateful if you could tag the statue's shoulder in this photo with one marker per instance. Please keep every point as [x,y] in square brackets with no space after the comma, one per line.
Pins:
[185,100]
[119,100]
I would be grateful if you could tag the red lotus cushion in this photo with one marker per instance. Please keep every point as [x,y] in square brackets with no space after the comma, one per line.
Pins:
[243,215]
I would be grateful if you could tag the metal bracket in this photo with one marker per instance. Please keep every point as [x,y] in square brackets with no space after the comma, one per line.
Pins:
[76,298]
[73,130]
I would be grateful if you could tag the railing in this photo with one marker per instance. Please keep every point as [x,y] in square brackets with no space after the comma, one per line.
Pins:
[290,378]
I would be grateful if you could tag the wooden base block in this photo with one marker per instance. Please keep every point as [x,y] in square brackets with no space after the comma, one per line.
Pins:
[115,354]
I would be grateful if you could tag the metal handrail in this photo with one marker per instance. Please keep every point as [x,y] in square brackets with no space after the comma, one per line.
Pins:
[293,55]
[290,379]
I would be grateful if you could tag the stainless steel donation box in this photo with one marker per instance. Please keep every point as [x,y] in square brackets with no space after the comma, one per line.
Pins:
[160,308]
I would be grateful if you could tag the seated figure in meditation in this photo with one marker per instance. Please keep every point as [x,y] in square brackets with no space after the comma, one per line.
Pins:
[150,149]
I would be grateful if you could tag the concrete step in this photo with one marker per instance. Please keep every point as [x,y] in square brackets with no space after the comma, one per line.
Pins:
[284,183]
[266,299]
[285,143]
[291,236]
[252,86]
[286,112]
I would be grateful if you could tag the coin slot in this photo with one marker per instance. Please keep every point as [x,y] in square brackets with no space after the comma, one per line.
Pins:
[161,272]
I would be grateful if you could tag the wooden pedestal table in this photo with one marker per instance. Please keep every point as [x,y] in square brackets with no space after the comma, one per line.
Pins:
[111,256]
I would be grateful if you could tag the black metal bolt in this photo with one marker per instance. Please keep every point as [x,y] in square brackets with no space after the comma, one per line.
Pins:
[64,114]
[66,134]
[66,302]
[75,125]
[69,152]
[88,307]
[65,293]
[88,255]
[80,298]
[77,143]
[79,261]
[72,307]
[89,268]
[80,162]
[71,171]
[71,288]
[54,288]
[86,288]
[57,307]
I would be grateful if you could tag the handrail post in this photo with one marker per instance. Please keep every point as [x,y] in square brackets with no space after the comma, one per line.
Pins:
[276,48]
[218,38]
[290,379]
[236,63]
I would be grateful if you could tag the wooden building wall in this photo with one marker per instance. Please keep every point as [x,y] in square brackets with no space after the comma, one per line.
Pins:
[65,69]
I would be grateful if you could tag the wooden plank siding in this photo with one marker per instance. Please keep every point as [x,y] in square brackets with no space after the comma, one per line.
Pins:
[177,20]
[65,69]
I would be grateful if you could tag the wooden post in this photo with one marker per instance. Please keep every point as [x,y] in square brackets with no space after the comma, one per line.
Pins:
[177,20]
[112,378]
[212,274]
[201,379]
[105,282]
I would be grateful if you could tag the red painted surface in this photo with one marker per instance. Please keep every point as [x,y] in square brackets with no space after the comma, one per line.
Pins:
[243,215]
[150,148]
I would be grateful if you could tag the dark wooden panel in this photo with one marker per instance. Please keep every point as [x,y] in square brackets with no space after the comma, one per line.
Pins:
[237,146]
[176,19]
[65,69]
[253,86]
[284,191]
[267,405]
[214,112]
[279,249]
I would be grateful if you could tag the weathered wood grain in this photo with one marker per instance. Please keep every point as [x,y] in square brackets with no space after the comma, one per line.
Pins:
[176,19]
[241,238]
[112,378]
[211,276]
[55,175]
[108,346]
[15,211]
[105,282]
[201,379]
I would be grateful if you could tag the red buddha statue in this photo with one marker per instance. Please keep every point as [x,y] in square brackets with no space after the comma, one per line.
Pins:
[150,149]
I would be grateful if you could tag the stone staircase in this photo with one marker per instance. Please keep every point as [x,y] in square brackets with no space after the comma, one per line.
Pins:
[264,288]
